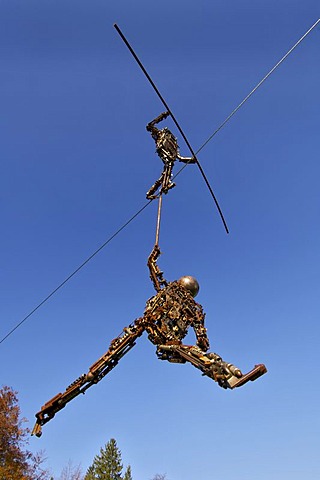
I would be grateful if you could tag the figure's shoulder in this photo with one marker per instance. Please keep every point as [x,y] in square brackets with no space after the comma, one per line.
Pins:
[167,293]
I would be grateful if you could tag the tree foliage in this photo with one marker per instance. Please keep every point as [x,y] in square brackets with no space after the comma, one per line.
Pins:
[90,475]
[16,462]
[108,465]
[127,474]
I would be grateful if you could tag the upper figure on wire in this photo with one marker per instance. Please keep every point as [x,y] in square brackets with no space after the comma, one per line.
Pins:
[168,150]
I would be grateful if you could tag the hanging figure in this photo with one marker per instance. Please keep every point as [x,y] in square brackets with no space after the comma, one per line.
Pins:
[168,150]
[166,319]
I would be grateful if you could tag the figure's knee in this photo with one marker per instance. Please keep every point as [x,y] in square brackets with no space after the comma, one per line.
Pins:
[150,195]
[167,352]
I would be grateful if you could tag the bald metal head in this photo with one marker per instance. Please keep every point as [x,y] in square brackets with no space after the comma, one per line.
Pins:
[190,284]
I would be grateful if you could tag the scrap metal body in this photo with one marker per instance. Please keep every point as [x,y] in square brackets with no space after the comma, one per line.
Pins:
[167,318]
[168,150]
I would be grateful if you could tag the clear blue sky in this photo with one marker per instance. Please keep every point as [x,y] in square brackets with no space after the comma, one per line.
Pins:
[76,163]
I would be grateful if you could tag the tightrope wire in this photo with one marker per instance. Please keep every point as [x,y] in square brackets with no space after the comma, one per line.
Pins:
[75,271]
[251,93]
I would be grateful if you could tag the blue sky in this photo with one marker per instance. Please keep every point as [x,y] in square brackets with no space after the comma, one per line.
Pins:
[76,163]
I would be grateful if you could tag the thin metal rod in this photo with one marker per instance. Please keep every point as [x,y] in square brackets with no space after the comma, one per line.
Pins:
[258,85]
[175,121]
[158,219]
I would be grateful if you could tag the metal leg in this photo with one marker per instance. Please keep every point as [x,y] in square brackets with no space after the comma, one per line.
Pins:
[211,365]
[166,178]
[164,181]
[151,193]
[118,348]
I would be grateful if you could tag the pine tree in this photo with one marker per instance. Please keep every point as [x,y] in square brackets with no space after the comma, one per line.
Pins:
[127,475]
[90,473]
[108,465]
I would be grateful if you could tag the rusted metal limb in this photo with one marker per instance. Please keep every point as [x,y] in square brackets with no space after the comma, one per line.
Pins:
[118,348]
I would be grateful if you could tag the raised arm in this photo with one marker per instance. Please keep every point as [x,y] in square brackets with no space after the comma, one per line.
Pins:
[151,127]
[156,275]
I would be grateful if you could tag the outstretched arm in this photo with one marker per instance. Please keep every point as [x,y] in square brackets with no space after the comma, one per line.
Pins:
[186,159]
[118,348]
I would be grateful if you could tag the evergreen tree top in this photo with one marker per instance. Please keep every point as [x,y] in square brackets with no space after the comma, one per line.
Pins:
[108,464]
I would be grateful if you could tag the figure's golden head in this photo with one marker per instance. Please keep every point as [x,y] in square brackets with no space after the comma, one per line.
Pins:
[190,284]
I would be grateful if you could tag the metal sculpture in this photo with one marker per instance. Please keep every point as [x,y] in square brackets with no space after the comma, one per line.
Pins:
[171,312]
[168,150]
[167,317]
[194,157]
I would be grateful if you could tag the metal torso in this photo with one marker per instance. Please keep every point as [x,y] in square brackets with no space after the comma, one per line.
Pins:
[170,313]
[167,145]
